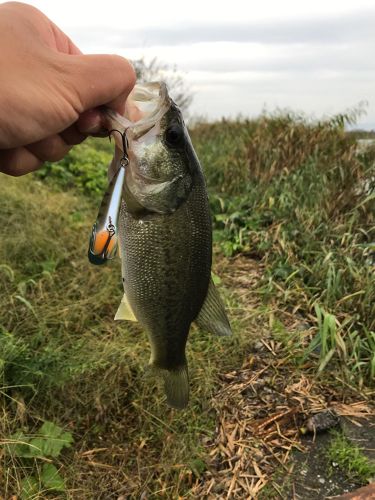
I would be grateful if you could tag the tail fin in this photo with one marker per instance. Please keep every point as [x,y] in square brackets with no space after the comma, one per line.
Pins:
[176,385]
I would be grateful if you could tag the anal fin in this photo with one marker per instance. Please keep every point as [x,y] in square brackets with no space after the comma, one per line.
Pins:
[212,317]
[125,311]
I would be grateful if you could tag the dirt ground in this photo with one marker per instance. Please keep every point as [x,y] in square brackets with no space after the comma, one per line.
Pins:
[313,478]
[260,449]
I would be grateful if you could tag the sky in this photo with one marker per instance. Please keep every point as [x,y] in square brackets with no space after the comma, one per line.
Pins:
[237,56]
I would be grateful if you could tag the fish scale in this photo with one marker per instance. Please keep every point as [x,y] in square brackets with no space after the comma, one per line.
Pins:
[165,236]
[166,261]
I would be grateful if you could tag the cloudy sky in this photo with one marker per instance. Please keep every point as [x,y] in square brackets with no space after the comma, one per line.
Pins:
[241,56]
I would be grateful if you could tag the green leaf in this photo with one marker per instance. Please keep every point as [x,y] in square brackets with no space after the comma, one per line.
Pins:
[51,478]
[8,271]
[49,266]
[315,342]
[20,446]
[26,303]
[215,278]
[326,360]
[51,440]
[29,488]
[198,466]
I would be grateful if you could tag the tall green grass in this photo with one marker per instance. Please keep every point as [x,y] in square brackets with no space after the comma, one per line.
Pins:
[64,360]
[288,192]
[298,195]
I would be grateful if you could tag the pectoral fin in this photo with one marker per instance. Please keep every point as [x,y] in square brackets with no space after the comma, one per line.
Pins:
[125,311]
[212,317]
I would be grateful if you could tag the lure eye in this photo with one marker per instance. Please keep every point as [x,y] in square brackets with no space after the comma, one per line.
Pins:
[174,135]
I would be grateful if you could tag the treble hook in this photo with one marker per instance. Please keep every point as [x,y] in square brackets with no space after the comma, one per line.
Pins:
[125,145]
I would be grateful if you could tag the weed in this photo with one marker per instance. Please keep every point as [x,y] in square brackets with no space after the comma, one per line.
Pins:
[300,200]
[349,458]
[36,451]
[83,168]
[63,359]
[289,193]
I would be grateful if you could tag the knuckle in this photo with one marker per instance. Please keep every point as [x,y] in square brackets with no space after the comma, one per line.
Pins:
[125,69]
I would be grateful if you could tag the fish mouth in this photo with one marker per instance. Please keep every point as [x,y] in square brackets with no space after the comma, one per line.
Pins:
[146,189]
[146,105]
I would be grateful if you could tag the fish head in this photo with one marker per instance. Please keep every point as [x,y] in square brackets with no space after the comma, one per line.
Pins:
[162,162]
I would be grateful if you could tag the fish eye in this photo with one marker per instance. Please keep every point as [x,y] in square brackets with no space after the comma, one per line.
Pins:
[174,135]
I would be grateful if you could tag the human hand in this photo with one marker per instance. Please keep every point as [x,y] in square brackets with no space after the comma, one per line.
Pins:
[49,91]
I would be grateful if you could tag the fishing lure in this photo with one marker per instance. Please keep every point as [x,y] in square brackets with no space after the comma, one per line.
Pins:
[104,236]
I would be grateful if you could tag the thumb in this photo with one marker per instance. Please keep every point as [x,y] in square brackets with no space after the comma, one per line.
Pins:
[100,79]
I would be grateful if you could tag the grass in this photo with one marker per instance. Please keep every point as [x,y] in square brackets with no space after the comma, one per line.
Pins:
[84,168]
[350,459]
[286,193]
[297,195]
[64,359]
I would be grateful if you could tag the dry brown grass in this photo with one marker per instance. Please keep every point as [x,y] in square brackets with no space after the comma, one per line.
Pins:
[262,407]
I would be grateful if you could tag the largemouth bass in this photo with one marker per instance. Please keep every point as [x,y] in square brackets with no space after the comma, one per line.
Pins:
[165,236]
